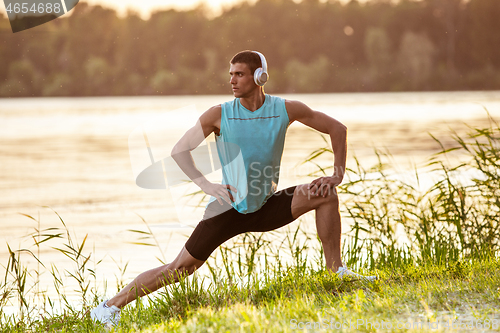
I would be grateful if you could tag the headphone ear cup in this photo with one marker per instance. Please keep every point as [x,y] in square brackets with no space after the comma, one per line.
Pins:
[260,77]
[263,77]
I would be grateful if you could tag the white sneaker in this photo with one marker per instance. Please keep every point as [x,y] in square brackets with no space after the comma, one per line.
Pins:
[107,315]
[344,271]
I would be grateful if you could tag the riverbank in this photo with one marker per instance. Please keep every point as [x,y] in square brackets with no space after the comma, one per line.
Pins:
[462,295]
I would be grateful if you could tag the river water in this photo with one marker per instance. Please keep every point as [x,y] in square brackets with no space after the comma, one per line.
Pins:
[72,155]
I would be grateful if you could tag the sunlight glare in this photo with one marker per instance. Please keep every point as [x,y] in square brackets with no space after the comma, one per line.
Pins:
[145,7]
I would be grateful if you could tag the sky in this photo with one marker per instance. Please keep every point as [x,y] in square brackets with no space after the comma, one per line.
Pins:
[144,7]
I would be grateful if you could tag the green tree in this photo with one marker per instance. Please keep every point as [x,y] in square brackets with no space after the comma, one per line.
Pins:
[164,82]
[415,58]
[333,45]
[308,77]
[484,32]
[22,79]
[379,55]
[58,84]
[99,74]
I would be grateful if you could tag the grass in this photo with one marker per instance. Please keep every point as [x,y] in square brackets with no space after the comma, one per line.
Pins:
[443,276]
[426,295]
[459,294]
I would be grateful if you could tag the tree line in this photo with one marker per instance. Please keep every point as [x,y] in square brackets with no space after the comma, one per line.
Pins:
[311,47]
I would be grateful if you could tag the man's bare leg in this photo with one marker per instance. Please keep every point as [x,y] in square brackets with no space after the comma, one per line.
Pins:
[152,280]
[327,221]
[329,231]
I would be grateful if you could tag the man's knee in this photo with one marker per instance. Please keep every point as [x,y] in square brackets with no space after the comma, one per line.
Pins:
[304,201]
[328,198]
[331,199]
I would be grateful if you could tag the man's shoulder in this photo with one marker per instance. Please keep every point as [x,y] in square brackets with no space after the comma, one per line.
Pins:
[212,115]
[296,109]
[295,103]
[210,120]
[214,109]
[289,103]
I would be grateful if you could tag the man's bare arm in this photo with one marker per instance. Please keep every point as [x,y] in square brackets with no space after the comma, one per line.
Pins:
[338,136]
[208,123]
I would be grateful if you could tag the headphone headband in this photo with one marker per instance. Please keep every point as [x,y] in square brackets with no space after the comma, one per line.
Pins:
[260,75]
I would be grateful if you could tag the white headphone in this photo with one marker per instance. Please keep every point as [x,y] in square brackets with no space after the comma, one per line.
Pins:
[260,76]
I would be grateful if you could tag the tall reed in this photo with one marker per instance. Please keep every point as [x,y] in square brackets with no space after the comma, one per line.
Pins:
[396,222]
[22,284]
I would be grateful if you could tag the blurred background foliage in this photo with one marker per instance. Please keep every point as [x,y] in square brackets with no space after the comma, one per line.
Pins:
[311,46]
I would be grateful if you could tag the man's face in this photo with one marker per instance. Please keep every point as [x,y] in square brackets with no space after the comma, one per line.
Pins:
[241,80]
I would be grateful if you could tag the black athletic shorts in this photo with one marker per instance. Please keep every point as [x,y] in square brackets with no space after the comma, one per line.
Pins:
[216,227]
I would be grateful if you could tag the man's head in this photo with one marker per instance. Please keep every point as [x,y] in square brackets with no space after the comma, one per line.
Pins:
[250,58]
[242,70]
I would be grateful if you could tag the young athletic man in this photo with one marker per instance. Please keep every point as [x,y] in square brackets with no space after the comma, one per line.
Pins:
[250,133]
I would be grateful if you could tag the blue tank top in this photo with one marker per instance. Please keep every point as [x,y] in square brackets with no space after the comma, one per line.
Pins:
[250,146]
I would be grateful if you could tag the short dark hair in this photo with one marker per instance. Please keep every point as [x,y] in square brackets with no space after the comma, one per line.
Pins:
[250,58]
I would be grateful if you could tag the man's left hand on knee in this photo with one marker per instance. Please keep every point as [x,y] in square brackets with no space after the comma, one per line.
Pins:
[324,186]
